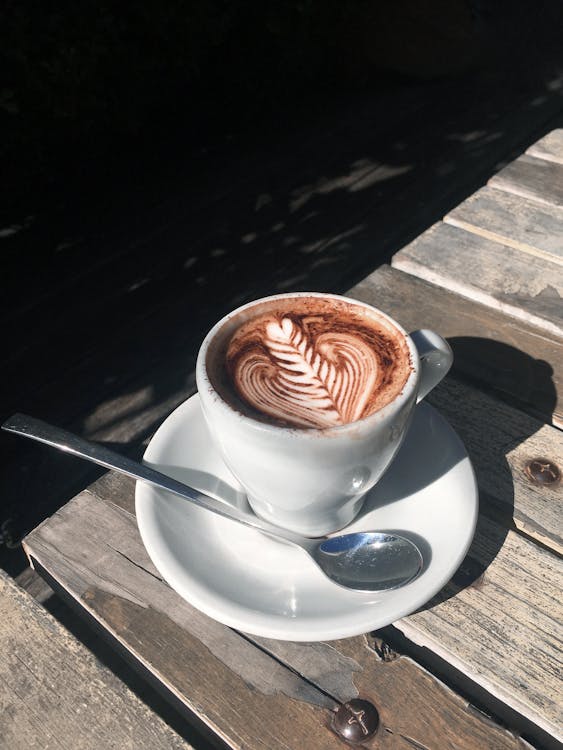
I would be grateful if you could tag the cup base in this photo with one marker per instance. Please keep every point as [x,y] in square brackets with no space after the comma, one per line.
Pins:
[306,523]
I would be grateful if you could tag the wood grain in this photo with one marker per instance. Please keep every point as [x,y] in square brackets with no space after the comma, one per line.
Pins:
[517,361]
[54,693]
[488,272]
[278,695]
[538,179]
[504,627]
[514,221]
[501,441]
[550,147]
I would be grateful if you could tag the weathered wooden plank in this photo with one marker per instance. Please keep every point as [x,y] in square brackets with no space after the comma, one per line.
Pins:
[512,220]
[517,361]
[550,147]
[54,693]
[501,441]
[212,670]
[533,178]
[393,683]
[249,698]
[500,621]
[490,273]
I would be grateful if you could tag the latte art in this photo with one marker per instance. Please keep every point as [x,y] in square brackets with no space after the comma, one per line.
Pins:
[312,385]
[315,367]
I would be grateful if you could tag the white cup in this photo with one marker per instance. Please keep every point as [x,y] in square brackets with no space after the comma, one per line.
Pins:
[314,481]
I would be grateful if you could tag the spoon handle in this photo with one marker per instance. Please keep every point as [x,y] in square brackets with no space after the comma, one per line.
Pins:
[36,429]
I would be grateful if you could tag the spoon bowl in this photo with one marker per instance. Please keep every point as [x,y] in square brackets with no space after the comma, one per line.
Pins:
[362,560]
[369,560]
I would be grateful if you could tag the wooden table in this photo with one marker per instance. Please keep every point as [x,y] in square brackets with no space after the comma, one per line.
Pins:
[481,666]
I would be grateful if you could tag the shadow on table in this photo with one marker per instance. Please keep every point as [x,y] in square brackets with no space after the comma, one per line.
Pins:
[490,434]
[113,277]
[511,373]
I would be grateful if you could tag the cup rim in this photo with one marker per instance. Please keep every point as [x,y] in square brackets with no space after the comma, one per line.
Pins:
[203,380]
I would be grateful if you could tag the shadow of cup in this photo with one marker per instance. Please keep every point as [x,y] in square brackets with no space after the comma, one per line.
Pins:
[509,372]
[515,377]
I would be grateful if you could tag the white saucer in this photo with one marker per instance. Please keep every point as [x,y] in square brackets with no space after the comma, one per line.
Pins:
[256,584]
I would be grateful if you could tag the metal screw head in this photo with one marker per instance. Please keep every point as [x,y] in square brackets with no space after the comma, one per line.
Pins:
[356,720]
[543,471]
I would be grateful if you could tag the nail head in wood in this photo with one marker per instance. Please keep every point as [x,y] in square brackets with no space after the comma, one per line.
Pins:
[542,471]
[356,720]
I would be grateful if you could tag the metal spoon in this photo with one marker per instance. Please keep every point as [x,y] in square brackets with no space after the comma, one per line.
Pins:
[364,561]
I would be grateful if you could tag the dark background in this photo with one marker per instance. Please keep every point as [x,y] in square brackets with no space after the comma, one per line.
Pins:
[162,163]
[93,80]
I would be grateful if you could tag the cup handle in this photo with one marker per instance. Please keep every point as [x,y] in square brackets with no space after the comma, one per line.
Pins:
[436,358]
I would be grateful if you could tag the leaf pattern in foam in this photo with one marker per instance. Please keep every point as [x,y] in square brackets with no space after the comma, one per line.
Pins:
[305,384]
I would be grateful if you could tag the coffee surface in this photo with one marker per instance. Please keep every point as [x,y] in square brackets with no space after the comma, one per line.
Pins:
[314,362]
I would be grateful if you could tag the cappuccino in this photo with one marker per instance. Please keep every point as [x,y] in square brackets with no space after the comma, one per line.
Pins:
[309,362]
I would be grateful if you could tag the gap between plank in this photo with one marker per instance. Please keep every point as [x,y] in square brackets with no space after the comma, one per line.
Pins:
[415,269]
[499,238]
